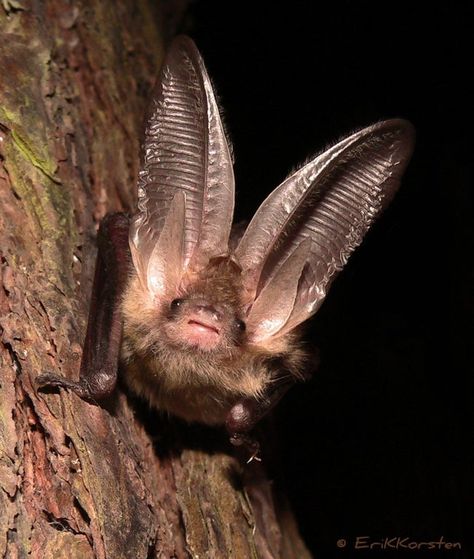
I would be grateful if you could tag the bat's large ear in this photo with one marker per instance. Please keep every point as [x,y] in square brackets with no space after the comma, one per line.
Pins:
[185,151]
[304,232]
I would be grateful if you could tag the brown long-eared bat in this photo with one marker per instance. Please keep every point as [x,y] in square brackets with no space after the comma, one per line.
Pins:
[204,319]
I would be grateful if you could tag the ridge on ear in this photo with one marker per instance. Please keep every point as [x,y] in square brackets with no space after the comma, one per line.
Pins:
[185,151]
[330,202]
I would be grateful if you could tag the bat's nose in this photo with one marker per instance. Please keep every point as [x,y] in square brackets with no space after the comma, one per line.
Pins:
[209,310]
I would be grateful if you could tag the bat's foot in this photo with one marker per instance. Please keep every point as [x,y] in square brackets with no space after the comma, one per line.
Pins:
[250,444]
[85,389]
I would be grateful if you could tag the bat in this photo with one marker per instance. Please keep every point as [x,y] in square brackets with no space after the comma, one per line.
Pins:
[205,319]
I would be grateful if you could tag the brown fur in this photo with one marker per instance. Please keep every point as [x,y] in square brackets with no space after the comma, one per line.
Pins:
[193,384]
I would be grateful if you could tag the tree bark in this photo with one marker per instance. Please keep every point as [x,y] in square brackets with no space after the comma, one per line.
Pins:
[80,480]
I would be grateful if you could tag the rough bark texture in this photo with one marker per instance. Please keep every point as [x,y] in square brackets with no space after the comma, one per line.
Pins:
[79,480]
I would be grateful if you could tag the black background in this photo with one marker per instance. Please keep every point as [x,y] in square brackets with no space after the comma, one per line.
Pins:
[379,443]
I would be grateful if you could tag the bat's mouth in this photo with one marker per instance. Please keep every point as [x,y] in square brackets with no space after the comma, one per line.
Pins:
[202,334]
[203,327]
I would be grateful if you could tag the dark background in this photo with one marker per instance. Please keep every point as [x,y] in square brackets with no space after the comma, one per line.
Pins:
[379,443]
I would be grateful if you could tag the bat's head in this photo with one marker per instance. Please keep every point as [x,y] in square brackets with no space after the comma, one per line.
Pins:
[202,314]
[203,323]
[206,314]
[293,248]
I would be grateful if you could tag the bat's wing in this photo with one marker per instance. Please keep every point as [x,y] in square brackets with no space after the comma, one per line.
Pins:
[304,232]
[185,153]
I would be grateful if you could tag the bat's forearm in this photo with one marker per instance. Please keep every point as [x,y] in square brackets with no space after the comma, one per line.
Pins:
[104,327]
[98,374]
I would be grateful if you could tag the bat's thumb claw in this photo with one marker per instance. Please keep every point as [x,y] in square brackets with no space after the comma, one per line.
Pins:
[49,379]
[254,457]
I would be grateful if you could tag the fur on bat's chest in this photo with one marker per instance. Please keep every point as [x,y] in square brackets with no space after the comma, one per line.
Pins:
[194,391]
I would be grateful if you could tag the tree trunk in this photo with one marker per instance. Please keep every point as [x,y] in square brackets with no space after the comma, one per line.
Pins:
[80,480]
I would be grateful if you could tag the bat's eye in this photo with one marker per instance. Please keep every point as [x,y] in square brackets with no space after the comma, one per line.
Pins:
[240,325]
[176,303]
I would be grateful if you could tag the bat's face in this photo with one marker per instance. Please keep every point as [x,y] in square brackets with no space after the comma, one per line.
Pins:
[206,313]
[200,322]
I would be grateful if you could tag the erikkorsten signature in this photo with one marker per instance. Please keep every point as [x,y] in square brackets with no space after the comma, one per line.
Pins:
[402,543]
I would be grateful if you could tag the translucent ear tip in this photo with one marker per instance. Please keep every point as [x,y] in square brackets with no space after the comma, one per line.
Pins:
[408,139]
[405,134]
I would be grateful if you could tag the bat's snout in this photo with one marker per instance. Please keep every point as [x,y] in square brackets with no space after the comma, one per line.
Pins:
[207,311]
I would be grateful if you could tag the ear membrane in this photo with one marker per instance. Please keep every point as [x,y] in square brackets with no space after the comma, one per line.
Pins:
[331,203]
[165,265]
[185,152]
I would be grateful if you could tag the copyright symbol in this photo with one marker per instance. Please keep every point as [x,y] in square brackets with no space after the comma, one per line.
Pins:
[341,543]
